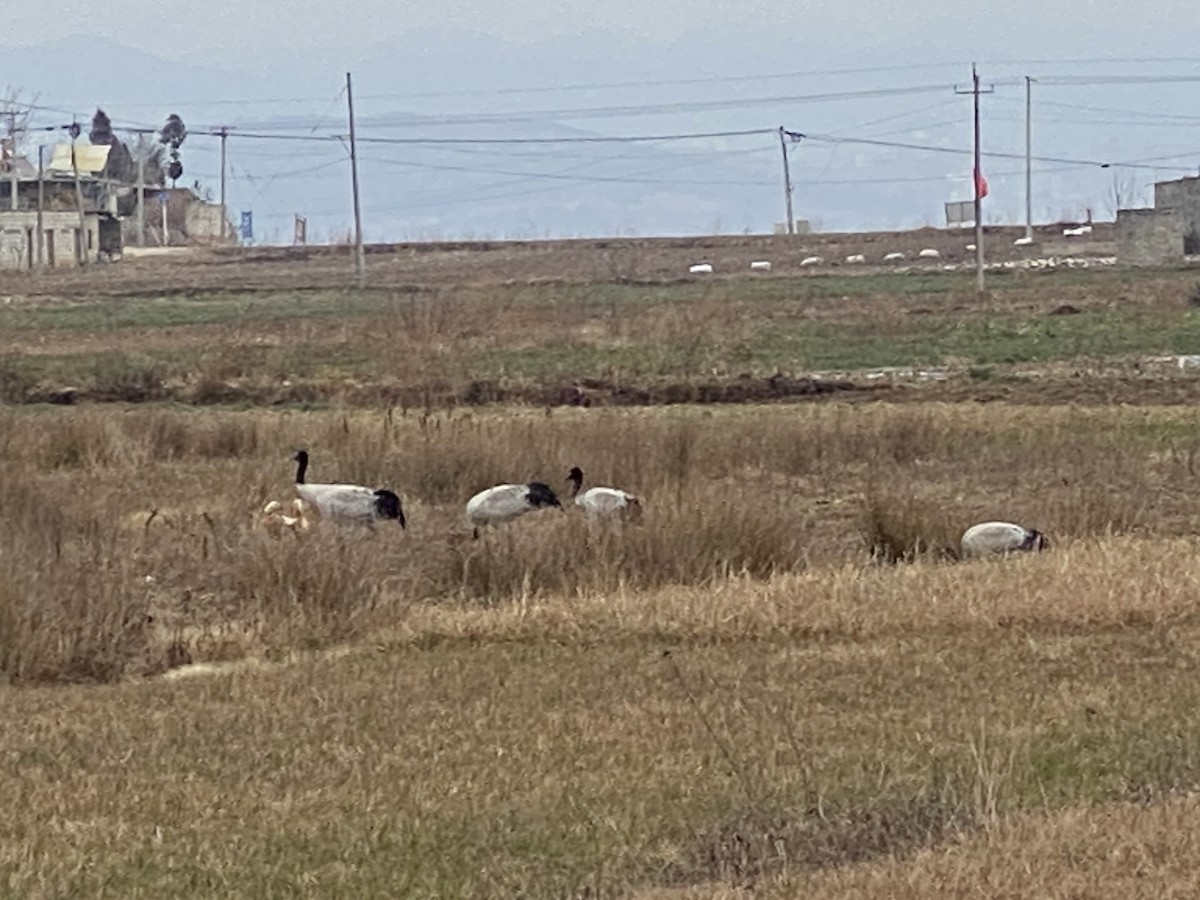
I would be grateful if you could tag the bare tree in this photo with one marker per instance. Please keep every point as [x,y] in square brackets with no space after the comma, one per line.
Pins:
[15,113]
[147,149]
[1123,192]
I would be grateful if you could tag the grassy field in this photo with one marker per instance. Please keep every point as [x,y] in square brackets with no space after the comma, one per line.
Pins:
[441,345]
[778,683]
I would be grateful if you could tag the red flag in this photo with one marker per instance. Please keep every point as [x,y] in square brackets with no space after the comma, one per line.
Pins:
[981,185]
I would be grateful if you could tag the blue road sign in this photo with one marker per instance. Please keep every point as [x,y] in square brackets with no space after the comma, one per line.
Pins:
[247,225]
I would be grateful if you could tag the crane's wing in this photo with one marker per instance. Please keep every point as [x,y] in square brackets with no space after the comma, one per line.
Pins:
[339,501]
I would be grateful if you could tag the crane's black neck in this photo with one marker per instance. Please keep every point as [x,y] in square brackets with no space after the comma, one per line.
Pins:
[575,476]
[301,466]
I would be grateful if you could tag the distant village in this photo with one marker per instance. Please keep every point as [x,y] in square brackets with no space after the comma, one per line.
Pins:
[87,198]
[91,197]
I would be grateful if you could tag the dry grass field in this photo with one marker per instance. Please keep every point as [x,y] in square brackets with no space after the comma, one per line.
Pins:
[778,683]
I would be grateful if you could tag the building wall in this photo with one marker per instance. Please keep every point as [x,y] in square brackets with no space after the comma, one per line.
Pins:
[1149,237]
[1183,196]
[18,238]
[203,220]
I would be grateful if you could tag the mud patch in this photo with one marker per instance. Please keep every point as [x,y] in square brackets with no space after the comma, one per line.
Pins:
[745,849]
[585,393]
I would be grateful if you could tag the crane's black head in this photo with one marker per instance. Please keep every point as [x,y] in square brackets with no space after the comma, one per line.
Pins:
[1035,540]
[387,506]
[575,475]
[301,458]
[541,495]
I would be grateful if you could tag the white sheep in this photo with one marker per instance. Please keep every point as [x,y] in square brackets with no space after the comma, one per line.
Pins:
[856,259]
[929,253]
[812,261]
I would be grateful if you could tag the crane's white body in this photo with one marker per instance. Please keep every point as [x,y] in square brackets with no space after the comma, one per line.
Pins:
[506,502]
[342,502]
[499,504]
[602,501]
[352,503]
[605,501]
[988,538]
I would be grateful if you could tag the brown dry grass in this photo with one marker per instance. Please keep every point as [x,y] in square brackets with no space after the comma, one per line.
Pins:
[731,692]
[1143,852]
[155,512]
[781,737]
[764,688]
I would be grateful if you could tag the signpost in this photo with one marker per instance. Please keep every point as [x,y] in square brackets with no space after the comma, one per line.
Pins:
[162,205]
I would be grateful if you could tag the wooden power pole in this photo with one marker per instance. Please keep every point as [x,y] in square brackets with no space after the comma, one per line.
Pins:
[40,238]
[83,235]
[223,132]
[977,177]
[141,202]
[13,190]
[360,260]
[787,182]
[1028,158]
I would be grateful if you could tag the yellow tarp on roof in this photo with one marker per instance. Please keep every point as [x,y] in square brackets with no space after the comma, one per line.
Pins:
[89,157]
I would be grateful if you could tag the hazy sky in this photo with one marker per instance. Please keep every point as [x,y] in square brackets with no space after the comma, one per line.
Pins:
[233,62]
[842,30]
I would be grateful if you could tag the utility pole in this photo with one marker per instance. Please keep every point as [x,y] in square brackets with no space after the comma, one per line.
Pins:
[40,239]
[141,202]
[360,260]
[978,193]
[223,131]
[1028,158]
[977,177]
[83,236]
[12,160]
[787,182]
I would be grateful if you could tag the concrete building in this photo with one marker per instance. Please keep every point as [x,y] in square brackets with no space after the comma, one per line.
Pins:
[61,241]
[1149,237]
[1183,196]
[1164,233]
[64,241]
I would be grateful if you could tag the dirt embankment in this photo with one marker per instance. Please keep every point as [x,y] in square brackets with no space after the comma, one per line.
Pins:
[427,266]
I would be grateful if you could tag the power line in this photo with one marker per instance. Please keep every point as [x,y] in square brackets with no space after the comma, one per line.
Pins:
[1115,79]
[623,179]
[648,109]
[671,82]
[1109,110]
[929,179]
[591,139]
[662,82]
[409,120]
[929,148]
